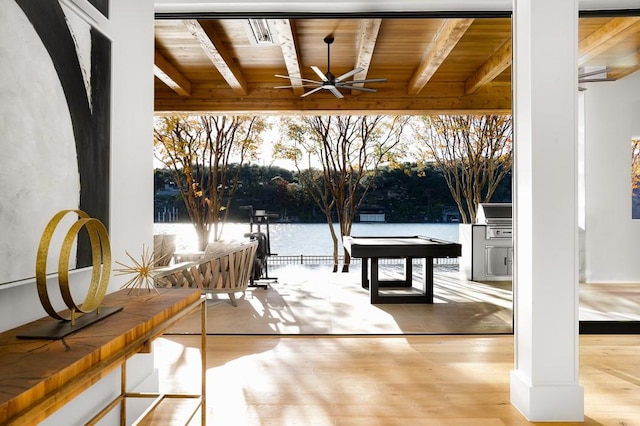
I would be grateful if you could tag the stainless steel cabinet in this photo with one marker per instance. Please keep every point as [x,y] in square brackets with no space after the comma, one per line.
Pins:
[485,257]
[499,261]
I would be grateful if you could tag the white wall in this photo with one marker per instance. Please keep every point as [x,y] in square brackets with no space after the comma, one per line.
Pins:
[612,238]
[131,222]
[131,187]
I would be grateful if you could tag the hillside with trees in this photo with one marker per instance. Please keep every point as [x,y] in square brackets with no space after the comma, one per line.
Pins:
[407,193]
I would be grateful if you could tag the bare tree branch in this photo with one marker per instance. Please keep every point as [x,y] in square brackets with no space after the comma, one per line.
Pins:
[348,149]
[198,151]
[473,152]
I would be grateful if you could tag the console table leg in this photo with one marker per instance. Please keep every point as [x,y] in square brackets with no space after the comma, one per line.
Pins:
[203,354]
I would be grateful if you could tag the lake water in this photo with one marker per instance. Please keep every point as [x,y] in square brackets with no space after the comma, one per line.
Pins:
[294,239]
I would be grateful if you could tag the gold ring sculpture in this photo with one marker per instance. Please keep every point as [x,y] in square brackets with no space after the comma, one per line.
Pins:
[101,259]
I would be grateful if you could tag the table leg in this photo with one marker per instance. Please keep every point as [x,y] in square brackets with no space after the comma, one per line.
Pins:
[408,271]
[374,284]
[365,272]
[428,279]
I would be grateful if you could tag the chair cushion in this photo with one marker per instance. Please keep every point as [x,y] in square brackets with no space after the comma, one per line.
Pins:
[220,248]
[164,246]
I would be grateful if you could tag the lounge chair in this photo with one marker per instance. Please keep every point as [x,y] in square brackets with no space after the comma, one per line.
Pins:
[225,268]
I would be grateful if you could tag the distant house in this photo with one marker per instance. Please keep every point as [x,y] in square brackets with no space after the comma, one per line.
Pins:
[372,214]
[372,217]
[164,203]
[450,214]
[169,190]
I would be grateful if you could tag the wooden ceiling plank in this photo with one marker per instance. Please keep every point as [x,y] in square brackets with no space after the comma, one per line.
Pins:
[611,33]
[219,56]
[400,47]
[289,46]
[443,43]
[493,67]
[356,105]
[369,29]
[169,75]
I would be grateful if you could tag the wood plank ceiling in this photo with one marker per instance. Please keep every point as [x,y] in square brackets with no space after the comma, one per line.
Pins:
[459,65]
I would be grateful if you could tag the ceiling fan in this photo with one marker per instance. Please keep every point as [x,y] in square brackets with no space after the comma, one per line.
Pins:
[594,76]
[330,82]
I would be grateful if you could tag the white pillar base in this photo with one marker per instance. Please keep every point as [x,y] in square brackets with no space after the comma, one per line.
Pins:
[547,403]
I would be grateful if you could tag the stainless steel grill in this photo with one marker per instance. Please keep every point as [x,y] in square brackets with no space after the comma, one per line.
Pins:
[498,219]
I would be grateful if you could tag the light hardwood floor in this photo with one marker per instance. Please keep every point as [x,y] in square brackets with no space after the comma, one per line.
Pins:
[384,380]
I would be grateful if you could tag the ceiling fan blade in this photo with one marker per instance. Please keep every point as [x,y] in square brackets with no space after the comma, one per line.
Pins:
[364,89]
[595,72]
[595,80]
[320,73]
[369,80]
[306,80]
[349,74]
[335,91]
[312,91]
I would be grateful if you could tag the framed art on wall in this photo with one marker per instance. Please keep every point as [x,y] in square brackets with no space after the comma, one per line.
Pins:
[635,178]
[55,127]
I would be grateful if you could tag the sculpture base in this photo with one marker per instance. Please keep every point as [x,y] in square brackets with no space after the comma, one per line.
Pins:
[59,329]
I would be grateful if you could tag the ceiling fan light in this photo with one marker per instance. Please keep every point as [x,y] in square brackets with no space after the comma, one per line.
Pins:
[261,31]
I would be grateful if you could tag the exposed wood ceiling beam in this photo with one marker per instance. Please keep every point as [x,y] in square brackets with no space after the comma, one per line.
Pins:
[494,66]
[213,47]
[288,44]
[619,73]
[444,41]
[443,98]
[169,75]
[606,36]
[369,29]
[594,44]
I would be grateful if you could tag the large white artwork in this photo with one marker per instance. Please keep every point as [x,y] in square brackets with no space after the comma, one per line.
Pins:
[635,178]
[53,129]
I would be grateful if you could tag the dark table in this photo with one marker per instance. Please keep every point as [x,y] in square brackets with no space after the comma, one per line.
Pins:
[408,248]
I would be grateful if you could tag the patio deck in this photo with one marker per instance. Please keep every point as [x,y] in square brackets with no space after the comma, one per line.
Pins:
[311,300]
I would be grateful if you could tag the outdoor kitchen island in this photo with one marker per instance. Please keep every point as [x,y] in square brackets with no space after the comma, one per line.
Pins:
[487,245]
[407,248]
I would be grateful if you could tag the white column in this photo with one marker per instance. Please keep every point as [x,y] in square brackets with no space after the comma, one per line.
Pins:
[544,382]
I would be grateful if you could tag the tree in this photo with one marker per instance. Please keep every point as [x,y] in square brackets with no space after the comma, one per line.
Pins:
[473,152]
[635,164]
[198,150]
[348,150]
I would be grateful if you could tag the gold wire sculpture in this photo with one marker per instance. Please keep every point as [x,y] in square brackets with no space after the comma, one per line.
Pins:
[143,271]
[101,256]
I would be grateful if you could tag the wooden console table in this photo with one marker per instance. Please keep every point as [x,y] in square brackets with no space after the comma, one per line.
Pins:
[37,377]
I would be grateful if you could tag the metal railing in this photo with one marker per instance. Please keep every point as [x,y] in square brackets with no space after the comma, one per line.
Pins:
[306,259]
